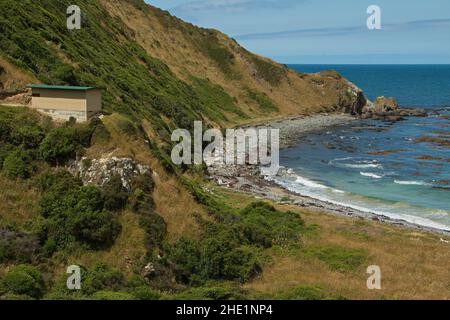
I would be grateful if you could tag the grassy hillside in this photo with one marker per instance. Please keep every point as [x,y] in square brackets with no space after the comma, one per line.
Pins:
[174,235]
[152,64]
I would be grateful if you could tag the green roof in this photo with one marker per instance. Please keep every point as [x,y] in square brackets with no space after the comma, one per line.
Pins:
[46,86]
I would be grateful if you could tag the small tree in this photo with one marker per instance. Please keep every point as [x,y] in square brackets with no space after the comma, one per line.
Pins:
[114,193]
[29,136]
[59,145]
[24,280]
[17,164]
[96,229]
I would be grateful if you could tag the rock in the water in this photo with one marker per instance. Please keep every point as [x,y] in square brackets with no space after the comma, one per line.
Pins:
[383,105]
[413,112]
[100,171]
[387,109]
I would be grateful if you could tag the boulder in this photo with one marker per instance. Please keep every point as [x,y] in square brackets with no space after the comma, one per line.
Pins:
[387,109]
[383,105]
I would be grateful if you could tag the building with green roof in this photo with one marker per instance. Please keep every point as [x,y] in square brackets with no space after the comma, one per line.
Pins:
[65,102]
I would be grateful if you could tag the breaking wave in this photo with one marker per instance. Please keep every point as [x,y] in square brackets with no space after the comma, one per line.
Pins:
[371,175]
[412,183]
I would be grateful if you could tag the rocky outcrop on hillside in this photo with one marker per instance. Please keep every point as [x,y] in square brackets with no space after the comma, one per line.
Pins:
[18,97]
[387,109]
[100,171]
[357,100]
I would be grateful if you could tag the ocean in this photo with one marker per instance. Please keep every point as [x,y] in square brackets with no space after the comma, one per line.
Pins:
[400,170]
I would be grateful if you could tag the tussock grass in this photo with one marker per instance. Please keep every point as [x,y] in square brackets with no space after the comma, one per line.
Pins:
[414,264]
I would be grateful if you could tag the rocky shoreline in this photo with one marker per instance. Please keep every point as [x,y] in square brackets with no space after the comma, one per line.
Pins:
[249,180]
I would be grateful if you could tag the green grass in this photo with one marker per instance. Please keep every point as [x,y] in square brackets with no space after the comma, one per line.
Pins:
[270,72]
[264,102]
[214,100]
[338,258]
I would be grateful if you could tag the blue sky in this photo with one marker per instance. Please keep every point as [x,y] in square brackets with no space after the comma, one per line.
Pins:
[327,31]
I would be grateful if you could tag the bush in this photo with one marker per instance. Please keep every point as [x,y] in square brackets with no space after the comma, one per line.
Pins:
[17,246]
[18,164]
[184,258]
[100,134]
[5,151]
[146,293]
[59,145]
[59,181]
[29,136]
[222,258]
[97,229]
[74,212]
[5,131]
[114,194]
[144,182]
[219,256]
[102,278]
[24,280]
[265,226]
[155,229]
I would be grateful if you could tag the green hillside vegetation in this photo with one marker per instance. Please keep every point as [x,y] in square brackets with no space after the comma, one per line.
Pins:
[76,217]
[103,55]
[173,234]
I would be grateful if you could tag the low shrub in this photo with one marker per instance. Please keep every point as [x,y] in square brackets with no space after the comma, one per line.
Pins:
[303,292]
[24,280]
[146,293]
[28,136]
[18,164]
[215,257]
[155,229]
[114,194]
[17,246]
[338,258]
[59,145]
[75,213]
[102,277]
[265,226]
[98,229]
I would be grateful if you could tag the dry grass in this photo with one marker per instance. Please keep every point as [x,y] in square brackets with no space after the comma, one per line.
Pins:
[14,78]
[414,265]
[18,201]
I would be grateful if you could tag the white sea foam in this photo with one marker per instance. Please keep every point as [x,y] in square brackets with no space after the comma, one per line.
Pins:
[412,183]
[362,166]
[371,175]
[309,183]
[358,164]
[358,205]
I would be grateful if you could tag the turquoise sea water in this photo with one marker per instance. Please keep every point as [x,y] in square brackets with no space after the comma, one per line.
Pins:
[343,164]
